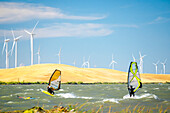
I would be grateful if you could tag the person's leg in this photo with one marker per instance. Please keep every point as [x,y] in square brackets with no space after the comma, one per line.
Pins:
[133,94]
[130,94]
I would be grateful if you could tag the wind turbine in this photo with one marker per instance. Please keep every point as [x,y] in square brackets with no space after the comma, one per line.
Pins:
[164,63]
[88,63]
[7,53]
[15,44]
[31,39]
[38,53]
[141,62]
[59,55]
[84,63]
[112,62]
[74,63]
[156,66]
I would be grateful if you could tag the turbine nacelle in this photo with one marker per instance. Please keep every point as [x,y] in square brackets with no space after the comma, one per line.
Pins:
[16,39]
[5,43]
[6,40]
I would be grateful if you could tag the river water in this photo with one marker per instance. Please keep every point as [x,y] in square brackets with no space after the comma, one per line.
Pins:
[91,96]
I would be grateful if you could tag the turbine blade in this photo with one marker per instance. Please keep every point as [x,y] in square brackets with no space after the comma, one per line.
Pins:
[89,59]
[165,61]
[35,26]
[140,54]
[27,31]
[3,47]
[13,33]
[110,64]
[39,49]
[12,47]
[18,37]
[133,58]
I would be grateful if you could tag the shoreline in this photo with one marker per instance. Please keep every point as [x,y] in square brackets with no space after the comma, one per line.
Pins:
[74,83]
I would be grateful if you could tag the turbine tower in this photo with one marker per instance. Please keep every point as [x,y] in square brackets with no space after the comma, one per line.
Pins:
[15,44]
[59,56]
[7,53]
[164,63]
[141,62]
[112,62]
[74,63]
[31,39]
[38,53]
[156,66]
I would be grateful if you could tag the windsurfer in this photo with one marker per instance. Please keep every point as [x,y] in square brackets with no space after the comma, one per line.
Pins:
[50,90]
[131,91]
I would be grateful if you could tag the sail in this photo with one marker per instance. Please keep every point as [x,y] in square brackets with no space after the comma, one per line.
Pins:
[55,80]
[134,77]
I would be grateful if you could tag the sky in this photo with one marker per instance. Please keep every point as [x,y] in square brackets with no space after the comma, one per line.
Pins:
[88,28]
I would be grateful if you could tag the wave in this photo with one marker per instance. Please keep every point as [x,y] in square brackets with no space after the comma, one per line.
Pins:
[29,89]
[147,95]
[112,100]
[117,100]
[10,102]
[21,93]
[61,90]
[71,95]
[6,96]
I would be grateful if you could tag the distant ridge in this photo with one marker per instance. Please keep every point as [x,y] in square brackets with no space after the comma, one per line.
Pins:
[42,73]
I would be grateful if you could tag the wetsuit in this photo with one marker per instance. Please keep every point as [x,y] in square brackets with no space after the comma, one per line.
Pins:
[50,91]
[131,91]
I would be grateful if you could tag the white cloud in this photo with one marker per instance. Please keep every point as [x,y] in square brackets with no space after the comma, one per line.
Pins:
[159,20]
[66,30]
[125,25]
[11,12]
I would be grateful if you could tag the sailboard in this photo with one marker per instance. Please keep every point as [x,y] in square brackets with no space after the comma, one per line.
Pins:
[54,82]
[46,92]
[134,79]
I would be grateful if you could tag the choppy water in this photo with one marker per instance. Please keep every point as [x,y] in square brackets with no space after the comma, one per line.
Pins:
[114,95]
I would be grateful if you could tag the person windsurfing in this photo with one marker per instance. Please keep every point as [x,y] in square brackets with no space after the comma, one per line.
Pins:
[54,82]
[131,91]
[134,83]
[49,89]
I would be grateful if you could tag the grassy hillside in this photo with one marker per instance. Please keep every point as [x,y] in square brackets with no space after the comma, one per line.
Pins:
[42,73]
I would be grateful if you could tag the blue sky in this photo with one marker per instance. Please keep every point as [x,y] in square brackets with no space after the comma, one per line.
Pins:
[95,28]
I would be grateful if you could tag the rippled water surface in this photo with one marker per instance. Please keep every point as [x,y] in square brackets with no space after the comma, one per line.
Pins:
[114,95]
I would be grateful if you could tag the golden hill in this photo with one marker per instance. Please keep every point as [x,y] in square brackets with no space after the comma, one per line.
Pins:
[42,72]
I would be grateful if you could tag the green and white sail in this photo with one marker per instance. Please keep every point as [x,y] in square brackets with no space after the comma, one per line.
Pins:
[134,79]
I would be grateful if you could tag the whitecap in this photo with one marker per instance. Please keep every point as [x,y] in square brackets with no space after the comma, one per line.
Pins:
[61,90]
[71,95]
[29,89]
[112,100]
[66,95]
[46,100]
[86,97]
[9,102]
[147,95]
